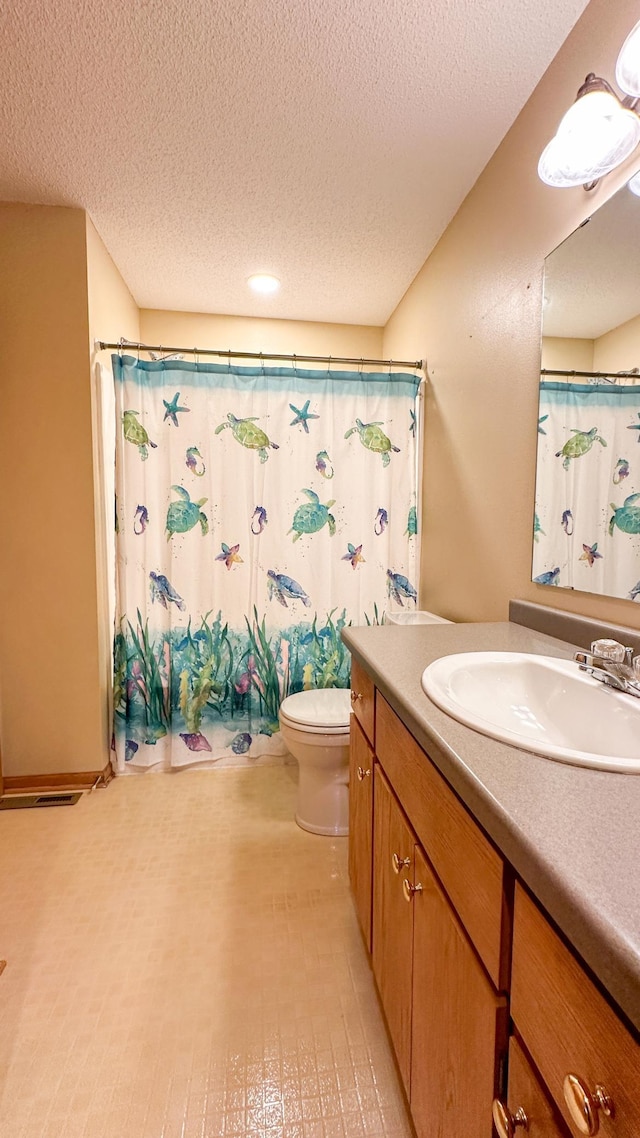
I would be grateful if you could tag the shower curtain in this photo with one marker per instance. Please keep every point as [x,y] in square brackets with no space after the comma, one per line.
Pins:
[258,511]
[587,513]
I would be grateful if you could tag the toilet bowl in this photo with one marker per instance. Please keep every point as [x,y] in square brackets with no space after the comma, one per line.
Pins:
[315,728]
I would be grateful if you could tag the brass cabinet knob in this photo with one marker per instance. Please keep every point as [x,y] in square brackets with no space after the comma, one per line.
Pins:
[505,1122]
[355,696]
[399,863]
[362,773]
[584,1105]
[408,889]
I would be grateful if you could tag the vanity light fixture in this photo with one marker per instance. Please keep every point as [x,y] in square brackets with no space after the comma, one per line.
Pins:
[264,283]
[600,130]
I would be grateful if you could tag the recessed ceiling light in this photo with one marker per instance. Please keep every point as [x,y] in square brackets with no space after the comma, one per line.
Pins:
[263,282]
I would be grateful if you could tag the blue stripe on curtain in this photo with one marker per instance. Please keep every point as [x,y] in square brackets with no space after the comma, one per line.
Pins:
[601,395]
[157,373]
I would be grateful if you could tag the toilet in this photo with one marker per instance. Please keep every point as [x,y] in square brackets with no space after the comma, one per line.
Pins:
[315,728]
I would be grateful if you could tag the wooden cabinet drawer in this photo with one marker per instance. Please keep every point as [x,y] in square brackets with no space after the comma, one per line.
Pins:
[361,825]
[528,1096]
[363,695]
[468,866]
[568,1026]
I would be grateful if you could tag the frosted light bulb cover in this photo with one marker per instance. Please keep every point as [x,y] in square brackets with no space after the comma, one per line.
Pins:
[628,65]
[587,109]
[594,137]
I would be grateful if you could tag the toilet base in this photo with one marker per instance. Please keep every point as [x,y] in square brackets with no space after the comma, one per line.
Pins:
[325,831]
[323,791]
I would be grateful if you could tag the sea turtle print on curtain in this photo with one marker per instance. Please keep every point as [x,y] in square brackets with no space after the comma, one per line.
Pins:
[251,528]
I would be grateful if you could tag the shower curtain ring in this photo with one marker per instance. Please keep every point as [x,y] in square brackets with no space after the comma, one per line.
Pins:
[229,361]
[195,357]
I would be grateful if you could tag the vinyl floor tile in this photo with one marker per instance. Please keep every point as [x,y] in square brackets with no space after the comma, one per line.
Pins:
[184,962]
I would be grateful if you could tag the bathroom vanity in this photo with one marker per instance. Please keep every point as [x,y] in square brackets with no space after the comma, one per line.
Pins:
[499,897]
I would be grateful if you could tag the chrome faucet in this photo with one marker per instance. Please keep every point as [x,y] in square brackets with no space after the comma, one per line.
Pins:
[613,664]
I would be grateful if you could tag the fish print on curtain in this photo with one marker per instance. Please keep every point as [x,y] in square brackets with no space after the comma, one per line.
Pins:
[258,511]
[587,514]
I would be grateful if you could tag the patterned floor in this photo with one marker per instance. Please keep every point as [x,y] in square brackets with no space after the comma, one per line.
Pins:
[184,962]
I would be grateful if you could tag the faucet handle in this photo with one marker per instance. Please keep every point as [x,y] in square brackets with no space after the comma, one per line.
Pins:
[610,650]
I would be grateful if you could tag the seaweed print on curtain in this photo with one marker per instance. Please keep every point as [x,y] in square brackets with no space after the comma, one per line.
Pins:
[258,511]
[587,513]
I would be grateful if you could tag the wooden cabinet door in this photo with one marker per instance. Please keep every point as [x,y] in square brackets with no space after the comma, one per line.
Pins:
[459,1022]
[393,851]
[361,825]
[527,1095]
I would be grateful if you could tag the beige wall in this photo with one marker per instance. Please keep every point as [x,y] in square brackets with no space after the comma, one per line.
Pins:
[59,292]
[112,310]
[112,313]
[566,353]
[619,349]
[474,312]
[259,335]
[49,657]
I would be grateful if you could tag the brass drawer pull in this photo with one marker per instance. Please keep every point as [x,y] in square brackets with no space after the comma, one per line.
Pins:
[408,889]
[583,1106]
[399,863]
[505,1122]
[362,773]
[355,696]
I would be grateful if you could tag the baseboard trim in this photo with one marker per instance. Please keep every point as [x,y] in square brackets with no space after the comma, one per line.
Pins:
[71,780]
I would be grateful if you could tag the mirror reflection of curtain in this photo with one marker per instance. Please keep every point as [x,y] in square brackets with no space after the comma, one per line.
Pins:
[258,511]
[587,512]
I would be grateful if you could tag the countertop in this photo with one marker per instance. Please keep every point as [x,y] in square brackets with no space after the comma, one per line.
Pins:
[572,835]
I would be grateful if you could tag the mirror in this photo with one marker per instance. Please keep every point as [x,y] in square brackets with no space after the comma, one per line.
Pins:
[587,511]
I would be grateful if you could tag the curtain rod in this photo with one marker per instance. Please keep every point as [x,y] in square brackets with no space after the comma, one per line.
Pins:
[635,374]
[262,356]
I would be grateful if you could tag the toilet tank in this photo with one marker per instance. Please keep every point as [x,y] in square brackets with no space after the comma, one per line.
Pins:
[417,616]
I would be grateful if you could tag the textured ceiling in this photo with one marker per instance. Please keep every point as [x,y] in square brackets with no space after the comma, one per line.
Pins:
[329,143]
[592,280]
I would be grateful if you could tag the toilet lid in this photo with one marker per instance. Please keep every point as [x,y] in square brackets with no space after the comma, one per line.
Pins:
[324,707]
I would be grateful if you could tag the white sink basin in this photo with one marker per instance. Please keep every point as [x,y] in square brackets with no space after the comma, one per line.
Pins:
[541,704]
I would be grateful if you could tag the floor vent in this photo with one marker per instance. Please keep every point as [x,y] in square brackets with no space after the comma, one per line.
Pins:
[25,801]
